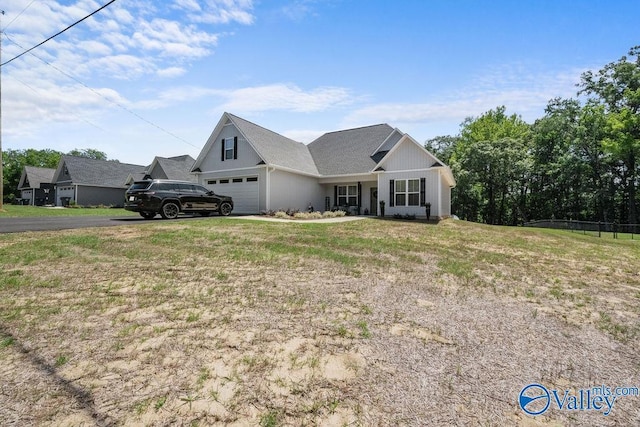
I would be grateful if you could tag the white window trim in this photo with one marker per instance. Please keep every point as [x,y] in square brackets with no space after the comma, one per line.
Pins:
[346,196]
[228,148]
[406,193]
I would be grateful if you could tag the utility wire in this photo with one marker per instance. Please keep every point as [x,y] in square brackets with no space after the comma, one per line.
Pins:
[133,113]
[58,33]
[37,92]
[18,15]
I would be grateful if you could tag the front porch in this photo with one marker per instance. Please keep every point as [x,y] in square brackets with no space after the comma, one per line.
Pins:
[352,195]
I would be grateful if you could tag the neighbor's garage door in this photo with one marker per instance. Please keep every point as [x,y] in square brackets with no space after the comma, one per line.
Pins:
[244,192]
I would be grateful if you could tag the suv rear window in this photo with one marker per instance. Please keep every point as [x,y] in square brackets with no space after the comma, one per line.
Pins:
[140,185]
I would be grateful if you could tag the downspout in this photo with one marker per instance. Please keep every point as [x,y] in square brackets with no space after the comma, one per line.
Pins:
[75,194]
[359,197]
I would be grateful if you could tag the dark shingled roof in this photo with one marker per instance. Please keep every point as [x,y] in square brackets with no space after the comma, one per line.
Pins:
[34,176]
[99,173]
[275,149]
[349,151]
[178,168]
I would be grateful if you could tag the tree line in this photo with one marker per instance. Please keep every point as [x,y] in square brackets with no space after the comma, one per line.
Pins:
[579,161]
[14,161]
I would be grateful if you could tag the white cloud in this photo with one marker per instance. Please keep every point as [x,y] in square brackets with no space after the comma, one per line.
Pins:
[226,11]
[123,16]
[123,67]
[175,95]
[274,97]
[94,47]
[125,41]
[159,34]
[31,107]
[171,72]
[190,5]
[170,38]
[287,97]
[523,91]
[297,10]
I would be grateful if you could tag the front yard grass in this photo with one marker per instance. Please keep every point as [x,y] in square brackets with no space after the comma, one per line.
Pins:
[361,323]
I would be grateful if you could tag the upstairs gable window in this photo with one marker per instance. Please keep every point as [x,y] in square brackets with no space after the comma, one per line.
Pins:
[229,148]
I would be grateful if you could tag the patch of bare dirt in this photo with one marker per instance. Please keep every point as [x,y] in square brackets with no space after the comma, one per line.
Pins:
[302,342]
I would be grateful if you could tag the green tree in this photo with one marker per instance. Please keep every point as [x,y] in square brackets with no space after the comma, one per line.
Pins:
[491,163]
[90,153]
[600,177]
[442,146]
[617,87]
[572,175]
[556,170]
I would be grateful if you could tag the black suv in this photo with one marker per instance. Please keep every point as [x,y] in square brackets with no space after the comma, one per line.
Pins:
[169,198]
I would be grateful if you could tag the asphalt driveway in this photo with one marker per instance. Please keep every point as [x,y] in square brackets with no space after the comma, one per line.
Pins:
[18,225]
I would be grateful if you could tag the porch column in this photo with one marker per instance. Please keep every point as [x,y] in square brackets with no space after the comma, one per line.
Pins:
[359,196]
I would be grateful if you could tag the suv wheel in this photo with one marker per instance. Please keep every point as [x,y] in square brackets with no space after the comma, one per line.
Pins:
[170,210]
[225,209]
[147,215]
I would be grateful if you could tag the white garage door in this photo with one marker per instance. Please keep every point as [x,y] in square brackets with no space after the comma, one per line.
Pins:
[244,192]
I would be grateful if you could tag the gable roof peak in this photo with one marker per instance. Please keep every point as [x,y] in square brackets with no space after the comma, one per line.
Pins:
[273,148]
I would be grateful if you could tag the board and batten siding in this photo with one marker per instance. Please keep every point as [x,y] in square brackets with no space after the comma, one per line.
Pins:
[408,156]
[246,157]
[293,191]
[432,185]
[445,192]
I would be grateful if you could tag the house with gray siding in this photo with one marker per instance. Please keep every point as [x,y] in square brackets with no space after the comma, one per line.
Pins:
[353,170]
[90,182]
[35,186]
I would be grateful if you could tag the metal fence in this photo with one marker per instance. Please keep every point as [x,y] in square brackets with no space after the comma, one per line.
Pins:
[598,229]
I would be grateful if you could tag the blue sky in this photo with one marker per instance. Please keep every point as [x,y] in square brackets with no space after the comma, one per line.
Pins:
[145,78]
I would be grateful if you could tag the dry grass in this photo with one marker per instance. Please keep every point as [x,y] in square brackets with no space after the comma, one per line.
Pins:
[362,323]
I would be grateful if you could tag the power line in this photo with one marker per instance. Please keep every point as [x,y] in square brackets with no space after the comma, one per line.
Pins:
[78,81]
[133,113]
[18,15]
[58,33]
[37,92]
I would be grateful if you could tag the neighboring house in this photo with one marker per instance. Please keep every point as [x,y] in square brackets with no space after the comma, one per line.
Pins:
[353,169]
[35,186]
[92,182]
[177,168]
